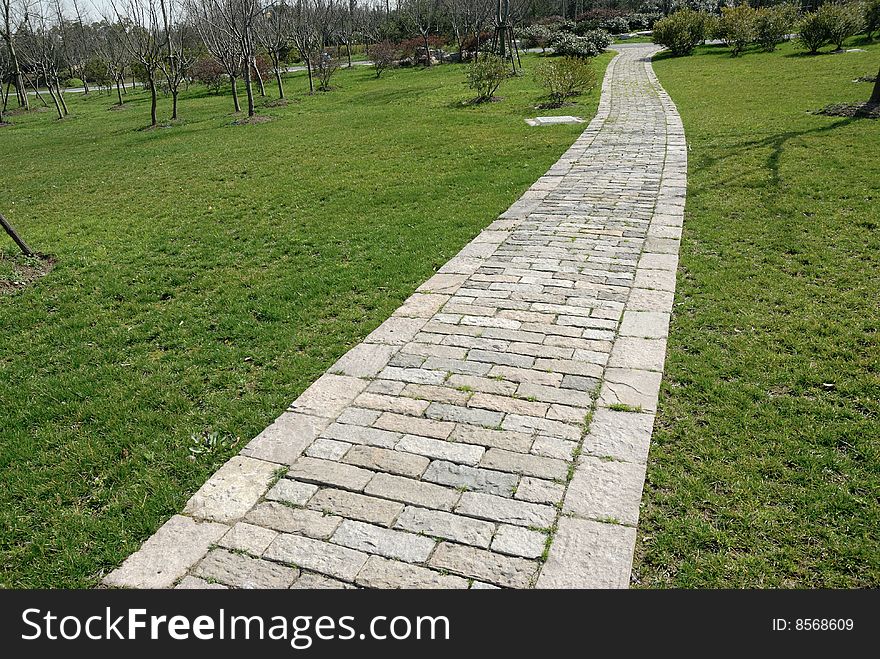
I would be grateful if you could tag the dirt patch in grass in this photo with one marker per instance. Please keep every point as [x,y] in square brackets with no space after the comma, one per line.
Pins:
[116,107]
[853,110]
[18,271]
[250,121]
[866,79]
[279,102]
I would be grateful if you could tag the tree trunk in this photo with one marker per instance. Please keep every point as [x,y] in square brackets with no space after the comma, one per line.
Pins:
[17,77]
[153,120]
[311,80]
[278,80]
[427,49]
[348,50]
[174,93]
[249,90]
[39,96]
[118,91]
[23,246]
[85,84]
[235,93]
[57,104]
[259,79]
[875,95]
[61,96]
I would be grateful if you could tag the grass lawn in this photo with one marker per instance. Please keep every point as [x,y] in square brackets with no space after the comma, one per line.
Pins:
[207,272]
[765,464]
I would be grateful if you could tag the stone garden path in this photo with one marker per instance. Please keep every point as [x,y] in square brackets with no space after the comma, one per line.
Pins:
[449,448]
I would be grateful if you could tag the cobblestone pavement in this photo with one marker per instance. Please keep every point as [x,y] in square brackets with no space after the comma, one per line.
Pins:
[448,450]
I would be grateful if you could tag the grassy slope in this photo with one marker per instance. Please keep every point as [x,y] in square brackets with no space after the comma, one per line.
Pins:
[765,466]
[207,273]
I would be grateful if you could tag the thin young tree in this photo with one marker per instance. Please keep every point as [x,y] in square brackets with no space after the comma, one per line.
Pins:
[110,46]
[41,50]
[223,45]
[422,16]
[238,18]
[176,59]
[144,41]
[13,12]
[274,30]
[305,36]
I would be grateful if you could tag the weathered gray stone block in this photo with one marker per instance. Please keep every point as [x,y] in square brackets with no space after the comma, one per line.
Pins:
[232,490]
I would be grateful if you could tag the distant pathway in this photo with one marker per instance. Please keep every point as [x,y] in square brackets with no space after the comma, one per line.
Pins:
[447,450]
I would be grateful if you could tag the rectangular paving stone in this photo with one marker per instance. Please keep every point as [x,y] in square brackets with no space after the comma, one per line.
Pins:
[534,425]
[386,403]
[471,478]
[507,404]
[438,524]
[518,541]
[361,435]
[329,395]
[248,537]
[421,305]
[167,555]
[589,554]
[232,490]
[501,509]
[325,472]
[285,440]
[512,441]
[545,376]
[394,462]
[403,546]
[441,450]
[356,506]
[396,331]
[457,414]
[519,463]
[415,426]
[637,353]
[539,490]
[606,490]
[624,436]
[277,516]
[306,553]
[244,571]
[635,388]
[484,565]
[313,581]
[327,449]
[291,492]
[434,393]
[195,583]
[486,385]
[412,491]
[365,360]
[414,375]
[382,573]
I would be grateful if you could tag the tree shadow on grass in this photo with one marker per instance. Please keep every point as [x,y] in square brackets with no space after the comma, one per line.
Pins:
[777,145]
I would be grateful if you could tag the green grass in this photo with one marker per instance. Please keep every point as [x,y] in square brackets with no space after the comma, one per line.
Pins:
[207,273]
[765,464]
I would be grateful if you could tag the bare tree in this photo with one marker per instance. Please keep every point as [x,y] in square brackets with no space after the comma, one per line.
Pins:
[275,34]
[42,50]
[7,30]
[305,36]
[238,17]
[144,39]
[422,16]
[177,59]
[110,45]
[223,45]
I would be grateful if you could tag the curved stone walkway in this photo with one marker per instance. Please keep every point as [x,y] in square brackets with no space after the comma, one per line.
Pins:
[448,449]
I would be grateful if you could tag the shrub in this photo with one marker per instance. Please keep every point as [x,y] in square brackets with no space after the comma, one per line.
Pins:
[615,25]
[592,19]
[323,67]
[566,77]
[682,31]
[643,21]
[592,43]
[485,75]
[737,27]
[208,71]
[872,17]
[773,24]
[843,21]
[470,43]
[383,55]
[538,36]
[813,32]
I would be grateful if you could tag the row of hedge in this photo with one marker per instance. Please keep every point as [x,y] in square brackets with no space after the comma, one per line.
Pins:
[766,27]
